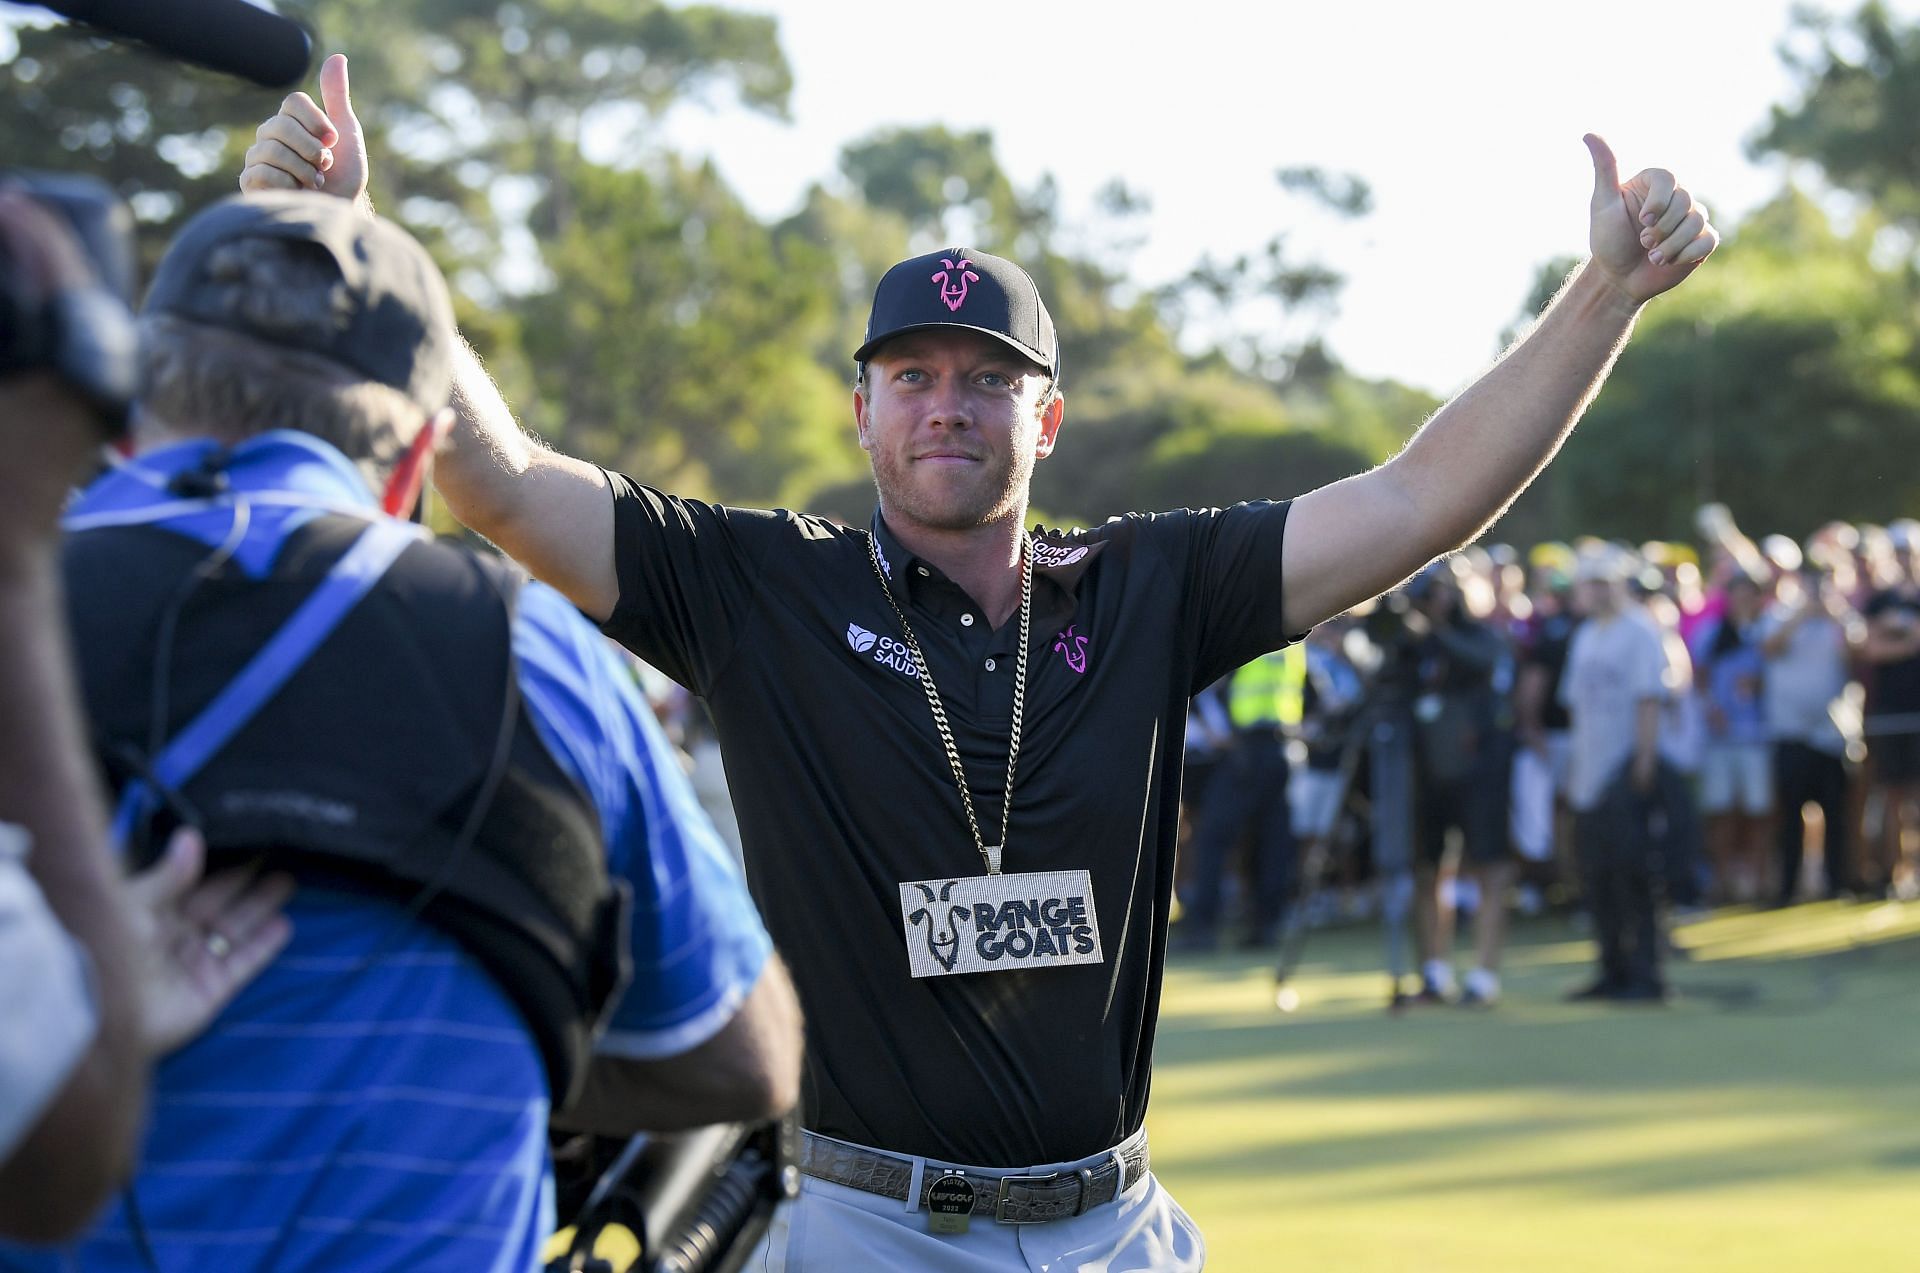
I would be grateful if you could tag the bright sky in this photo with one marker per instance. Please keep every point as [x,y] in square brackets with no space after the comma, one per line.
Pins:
[1465,117]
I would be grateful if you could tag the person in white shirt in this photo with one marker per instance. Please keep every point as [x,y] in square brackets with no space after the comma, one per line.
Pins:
[1614,688]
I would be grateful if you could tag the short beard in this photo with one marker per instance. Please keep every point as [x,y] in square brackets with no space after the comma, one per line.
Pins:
[1006,497]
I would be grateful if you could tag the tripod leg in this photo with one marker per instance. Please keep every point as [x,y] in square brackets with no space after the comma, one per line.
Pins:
[1320,850]
[1391,755]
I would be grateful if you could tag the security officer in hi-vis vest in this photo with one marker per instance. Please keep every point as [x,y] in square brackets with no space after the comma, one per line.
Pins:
[1248,798]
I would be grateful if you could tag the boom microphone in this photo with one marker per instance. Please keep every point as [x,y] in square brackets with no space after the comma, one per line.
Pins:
[230,36]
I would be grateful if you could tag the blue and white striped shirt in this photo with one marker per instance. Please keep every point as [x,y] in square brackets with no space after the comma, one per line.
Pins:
[374,1099]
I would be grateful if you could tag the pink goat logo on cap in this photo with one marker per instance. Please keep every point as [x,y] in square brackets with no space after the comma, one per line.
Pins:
[953,280]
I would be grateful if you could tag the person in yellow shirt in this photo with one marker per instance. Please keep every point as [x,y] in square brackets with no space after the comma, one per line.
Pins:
[1248,797]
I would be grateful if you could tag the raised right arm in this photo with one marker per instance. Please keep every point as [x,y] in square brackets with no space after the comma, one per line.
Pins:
[550,512]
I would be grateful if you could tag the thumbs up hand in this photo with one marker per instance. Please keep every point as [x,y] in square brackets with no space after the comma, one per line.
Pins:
[1646,234]
[311,146]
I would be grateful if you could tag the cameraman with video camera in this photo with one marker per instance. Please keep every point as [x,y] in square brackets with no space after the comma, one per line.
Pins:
[1384,727]
[1463,750]
[488,830]
[98,976]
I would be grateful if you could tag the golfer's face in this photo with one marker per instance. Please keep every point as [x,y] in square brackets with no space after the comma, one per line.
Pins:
[953,422]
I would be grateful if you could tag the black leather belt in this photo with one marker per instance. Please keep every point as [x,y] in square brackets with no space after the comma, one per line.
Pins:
[1009,1199]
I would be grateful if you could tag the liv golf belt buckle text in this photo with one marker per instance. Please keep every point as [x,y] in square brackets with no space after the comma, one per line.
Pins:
[997,923]
[950,1204]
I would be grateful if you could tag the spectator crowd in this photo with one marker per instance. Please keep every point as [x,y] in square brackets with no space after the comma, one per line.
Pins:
[1629,730]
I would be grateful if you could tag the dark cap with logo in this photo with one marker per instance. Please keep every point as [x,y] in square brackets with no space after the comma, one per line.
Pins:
[962,288]
[391,318]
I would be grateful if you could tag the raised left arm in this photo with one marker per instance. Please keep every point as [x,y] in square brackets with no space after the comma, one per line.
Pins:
[1358,537]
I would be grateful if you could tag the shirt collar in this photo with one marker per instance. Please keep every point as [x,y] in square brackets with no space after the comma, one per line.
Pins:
[896,563]
[278,460]
[1056,557]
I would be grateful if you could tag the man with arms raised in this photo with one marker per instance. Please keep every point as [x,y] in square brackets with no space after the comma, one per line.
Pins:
[966,733]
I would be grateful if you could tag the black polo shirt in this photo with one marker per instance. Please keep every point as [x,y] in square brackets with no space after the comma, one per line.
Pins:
[843,790]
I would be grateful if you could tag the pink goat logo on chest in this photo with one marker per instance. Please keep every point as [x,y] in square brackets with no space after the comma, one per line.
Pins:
[953,280]
[1073,648]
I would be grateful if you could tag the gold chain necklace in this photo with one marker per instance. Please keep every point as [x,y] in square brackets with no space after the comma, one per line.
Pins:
[990,853]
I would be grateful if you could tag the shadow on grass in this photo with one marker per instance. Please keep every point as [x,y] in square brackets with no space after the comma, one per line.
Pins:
[1840,1020]
[1832,1031]
[1432,1162]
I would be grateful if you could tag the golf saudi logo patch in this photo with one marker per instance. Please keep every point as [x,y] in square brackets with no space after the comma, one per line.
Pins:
[894,655]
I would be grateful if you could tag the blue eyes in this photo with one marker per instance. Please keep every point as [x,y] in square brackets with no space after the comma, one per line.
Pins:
[991,379]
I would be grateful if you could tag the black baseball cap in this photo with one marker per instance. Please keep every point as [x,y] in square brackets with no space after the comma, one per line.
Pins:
[959,287]
[394,320]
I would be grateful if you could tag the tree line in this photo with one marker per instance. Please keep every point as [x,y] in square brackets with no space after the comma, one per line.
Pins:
[639,314]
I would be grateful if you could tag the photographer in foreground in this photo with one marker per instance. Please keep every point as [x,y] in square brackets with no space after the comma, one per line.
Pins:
[97,975]
[487,828]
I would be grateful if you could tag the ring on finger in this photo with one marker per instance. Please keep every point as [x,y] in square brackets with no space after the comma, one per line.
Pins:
[218,946]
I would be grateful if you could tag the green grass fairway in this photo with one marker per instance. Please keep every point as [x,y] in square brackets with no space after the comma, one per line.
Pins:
[1769,1120]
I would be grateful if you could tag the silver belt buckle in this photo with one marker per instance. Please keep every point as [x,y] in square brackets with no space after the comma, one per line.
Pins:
[1084,1175]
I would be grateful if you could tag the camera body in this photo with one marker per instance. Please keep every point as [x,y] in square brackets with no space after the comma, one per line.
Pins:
[1386,623]
[83,333]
